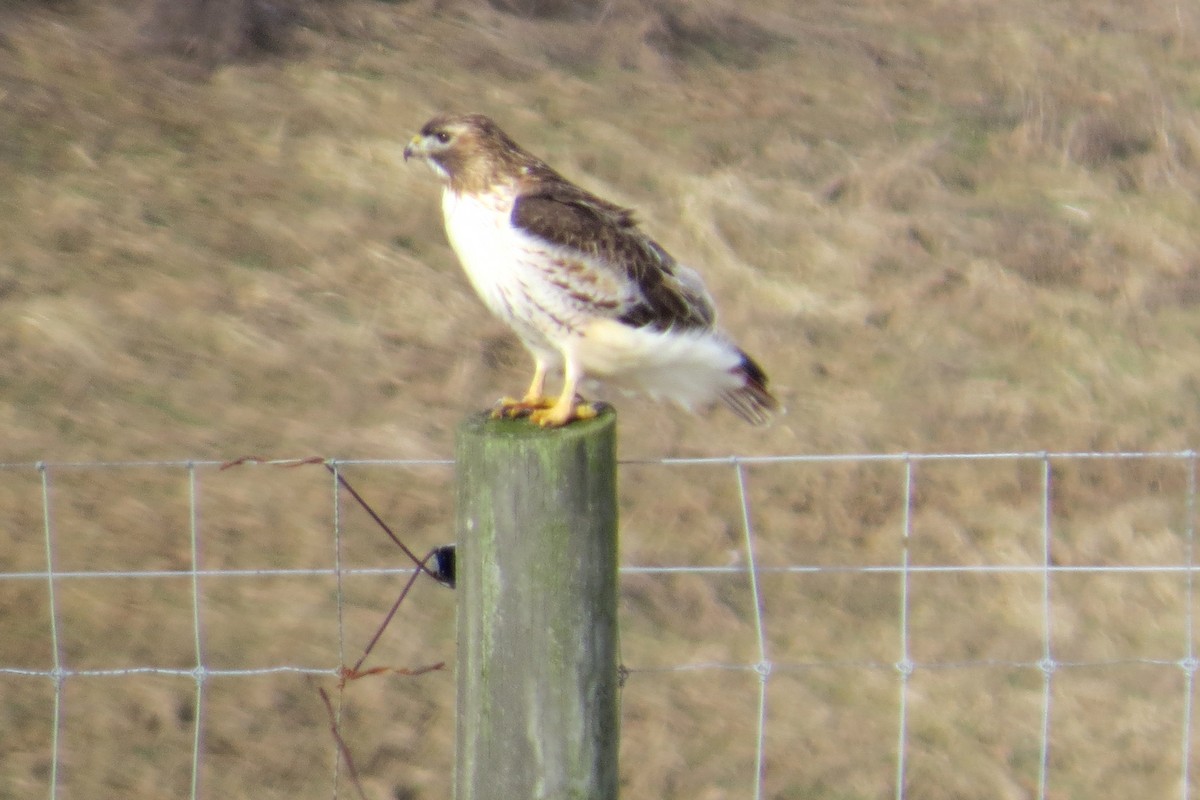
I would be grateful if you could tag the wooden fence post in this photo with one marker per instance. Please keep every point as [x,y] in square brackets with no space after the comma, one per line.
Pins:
[537,667]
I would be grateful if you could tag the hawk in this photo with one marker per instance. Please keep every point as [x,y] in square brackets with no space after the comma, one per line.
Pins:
[579,282]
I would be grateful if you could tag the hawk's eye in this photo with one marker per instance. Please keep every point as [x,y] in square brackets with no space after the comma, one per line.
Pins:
[442,137]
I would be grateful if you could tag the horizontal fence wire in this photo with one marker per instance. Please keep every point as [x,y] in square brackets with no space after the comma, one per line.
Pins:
[769,702]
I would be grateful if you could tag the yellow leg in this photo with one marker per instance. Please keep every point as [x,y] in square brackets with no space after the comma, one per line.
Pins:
[535,396]
[534,399]
[567,408]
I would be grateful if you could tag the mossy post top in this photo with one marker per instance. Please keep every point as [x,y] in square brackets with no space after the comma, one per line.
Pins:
[482,424]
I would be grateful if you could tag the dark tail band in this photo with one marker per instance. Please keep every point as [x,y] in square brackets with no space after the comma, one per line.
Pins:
[752,402]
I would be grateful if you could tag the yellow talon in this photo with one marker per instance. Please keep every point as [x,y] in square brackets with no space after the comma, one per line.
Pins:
[511,408]
[558,416]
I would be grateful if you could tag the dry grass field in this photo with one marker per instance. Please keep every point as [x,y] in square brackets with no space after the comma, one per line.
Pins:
[941,226]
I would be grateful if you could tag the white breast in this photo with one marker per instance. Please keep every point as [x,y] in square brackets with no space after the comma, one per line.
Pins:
[479,230]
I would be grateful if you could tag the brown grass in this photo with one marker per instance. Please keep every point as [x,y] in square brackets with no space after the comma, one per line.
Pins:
[939,226]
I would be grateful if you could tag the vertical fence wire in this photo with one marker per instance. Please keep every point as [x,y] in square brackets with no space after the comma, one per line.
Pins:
[763,667]
[57,675]
[335,473]
[1047,663]
[200,672]
[1188,664]
[904,666]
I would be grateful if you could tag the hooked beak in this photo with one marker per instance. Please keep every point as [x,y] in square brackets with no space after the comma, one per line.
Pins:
[413,148]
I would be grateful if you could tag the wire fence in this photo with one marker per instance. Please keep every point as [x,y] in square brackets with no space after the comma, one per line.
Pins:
[863,625]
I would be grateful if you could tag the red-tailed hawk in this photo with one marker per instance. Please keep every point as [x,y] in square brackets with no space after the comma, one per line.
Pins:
[582,286]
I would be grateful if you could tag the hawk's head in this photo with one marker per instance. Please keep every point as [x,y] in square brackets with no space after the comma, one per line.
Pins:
[468,151]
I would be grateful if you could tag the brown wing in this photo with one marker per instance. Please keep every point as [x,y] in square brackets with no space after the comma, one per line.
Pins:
[606,236]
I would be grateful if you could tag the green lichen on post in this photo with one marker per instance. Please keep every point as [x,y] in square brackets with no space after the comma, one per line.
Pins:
[537,560]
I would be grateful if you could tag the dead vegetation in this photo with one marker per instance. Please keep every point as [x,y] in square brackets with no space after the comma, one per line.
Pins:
[215,31]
